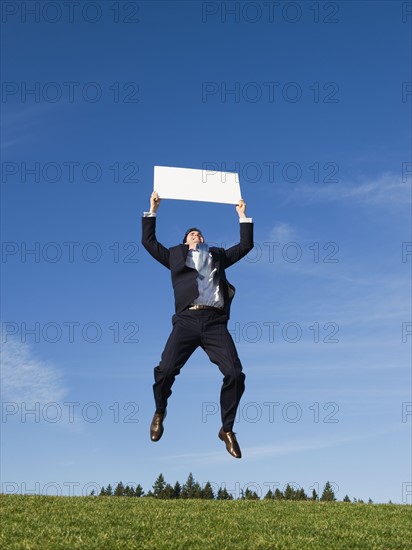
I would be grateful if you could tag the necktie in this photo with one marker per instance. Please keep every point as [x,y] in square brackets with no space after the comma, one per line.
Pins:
[201,259]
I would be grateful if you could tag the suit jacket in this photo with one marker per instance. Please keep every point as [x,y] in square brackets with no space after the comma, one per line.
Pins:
[184,279]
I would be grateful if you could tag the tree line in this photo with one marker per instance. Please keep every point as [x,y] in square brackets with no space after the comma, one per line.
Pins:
[193,489]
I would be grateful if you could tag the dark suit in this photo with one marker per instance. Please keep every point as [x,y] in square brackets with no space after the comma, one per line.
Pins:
[204,328]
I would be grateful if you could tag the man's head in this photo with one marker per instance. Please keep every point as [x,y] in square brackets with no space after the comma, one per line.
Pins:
[193,236]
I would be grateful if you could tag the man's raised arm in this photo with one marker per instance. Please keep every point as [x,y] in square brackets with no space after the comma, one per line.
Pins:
[149,241]
[237,252]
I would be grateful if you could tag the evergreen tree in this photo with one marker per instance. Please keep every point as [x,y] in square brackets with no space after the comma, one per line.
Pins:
[109,491]
[269,495]
[222,494]
[138,492]
[278,494]
[168,493]
[177,489]
[207,492]
[314,495]
[370,501]
[346,499]
[328,495]
[119,490]
[289,492]
[301,495]
[129,491]
[102,492]
[159,487]
[189,488]
[197,491]
[251,495]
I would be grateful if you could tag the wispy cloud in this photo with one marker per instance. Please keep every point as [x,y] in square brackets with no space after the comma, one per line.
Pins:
[20,125]
[282,232]
[10,143]
[388,188]
[26,378]
[262,451]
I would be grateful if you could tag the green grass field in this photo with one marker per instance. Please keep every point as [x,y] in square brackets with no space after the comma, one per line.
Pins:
[100,523]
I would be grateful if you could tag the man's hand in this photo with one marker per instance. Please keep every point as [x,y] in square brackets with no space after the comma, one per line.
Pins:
[154,202]
[241,209]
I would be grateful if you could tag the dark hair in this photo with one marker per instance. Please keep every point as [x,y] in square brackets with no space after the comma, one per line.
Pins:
[189,231]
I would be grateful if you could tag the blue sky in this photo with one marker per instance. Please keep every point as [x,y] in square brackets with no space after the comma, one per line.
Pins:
[311,104]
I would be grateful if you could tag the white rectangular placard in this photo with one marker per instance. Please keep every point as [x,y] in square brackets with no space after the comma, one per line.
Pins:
[196,185]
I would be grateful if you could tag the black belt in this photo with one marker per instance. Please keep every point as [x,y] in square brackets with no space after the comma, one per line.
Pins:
[211,308]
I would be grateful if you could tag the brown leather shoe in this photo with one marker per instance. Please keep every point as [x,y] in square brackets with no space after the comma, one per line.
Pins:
[156,427]
[230,440]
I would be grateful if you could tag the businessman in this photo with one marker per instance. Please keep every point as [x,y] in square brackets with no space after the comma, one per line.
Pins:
[203,297]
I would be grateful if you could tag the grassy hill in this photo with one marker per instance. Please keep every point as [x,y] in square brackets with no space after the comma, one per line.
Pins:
[55,523]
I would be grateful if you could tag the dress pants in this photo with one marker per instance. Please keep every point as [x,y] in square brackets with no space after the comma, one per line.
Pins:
[207,329]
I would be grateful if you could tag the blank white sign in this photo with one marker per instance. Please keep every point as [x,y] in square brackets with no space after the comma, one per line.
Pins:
[196,185]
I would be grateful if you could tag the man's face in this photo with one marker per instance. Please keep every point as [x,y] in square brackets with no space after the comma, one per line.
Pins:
[193,238]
